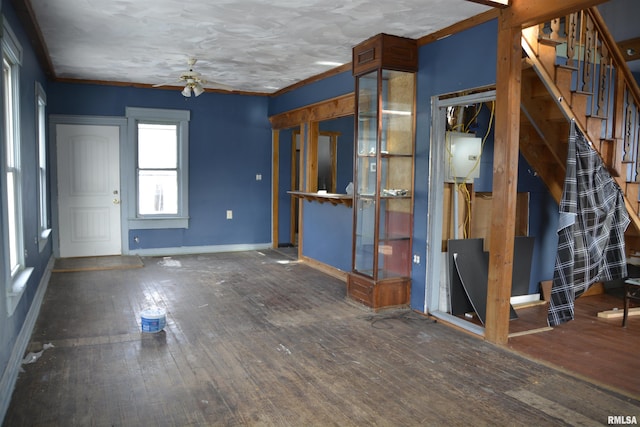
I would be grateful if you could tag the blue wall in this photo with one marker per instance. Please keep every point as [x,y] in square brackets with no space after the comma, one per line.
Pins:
[30,73]
[229,144]
[327,231]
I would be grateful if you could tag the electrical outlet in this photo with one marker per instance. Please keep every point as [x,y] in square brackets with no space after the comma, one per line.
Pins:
[229,214]
[416,259]
[259,177]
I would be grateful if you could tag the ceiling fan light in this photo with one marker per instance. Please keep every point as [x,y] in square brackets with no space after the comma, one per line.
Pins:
[187,91]
[198,89]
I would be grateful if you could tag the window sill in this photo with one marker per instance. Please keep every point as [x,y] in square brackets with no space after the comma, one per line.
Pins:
[18,286]
[158,223]
[43,239]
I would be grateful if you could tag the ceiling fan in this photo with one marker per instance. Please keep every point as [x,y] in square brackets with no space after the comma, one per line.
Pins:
[193,82]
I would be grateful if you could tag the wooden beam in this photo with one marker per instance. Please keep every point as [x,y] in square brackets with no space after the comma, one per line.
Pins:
[275,184]
[493,3]
[505,179]
[312,157]
[340,106]
[525,13]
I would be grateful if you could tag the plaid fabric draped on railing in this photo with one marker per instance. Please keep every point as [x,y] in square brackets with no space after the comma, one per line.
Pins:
[593,219]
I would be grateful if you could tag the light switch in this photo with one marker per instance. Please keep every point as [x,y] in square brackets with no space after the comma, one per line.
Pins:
[229,214]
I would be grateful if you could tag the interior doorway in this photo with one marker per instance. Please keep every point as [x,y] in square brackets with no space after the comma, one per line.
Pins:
[450,195]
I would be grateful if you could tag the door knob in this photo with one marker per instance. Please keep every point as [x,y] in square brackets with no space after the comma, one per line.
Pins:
[116,201]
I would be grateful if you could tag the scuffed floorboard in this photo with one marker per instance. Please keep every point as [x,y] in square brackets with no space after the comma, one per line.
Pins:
[256,339]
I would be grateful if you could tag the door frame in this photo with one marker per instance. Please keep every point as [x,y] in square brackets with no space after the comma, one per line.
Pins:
[121,122]
[436,277]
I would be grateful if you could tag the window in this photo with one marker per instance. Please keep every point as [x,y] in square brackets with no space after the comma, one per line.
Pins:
[16,273]
[43,209]
[157,169]
[158,149]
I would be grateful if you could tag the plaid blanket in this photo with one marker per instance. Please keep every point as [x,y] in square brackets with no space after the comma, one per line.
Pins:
[591,228]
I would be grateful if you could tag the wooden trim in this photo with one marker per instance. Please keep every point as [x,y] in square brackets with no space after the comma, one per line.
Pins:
[275,209]
[339,106]
[526,13]
[295,161]
[325,268]
[505,173]
[311,184]
[301,184]
[150,86]
[334,71]
[459,27]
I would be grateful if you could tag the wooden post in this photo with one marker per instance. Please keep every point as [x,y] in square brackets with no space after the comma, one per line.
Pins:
[275,183]
[505,179]
[311,184]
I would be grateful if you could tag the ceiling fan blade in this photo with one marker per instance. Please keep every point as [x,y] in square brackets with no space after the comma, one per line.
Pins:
[174,83]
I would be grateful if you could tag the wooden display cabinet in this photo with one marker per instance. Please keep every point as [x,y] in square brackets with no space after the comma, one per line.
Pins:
[384,68]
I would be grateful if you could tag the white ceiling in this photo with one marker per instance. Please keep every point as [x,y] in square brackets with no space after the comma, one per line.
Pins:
[250,45]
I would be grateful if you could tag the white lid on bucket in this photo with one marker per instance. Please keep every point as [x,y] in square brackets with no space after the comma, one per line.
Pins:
[154,313]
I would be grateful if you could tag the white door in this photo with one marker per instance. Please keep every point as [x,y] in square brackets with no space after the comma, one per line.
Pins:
[88,190]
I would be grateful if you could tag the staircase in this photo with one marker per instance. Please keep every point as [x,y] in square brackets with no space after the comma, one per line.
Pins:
[573,70]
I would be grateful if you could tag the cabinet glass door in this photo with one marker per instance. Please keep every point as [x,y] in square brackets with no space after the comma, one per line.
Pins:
[384,174]
[366,174]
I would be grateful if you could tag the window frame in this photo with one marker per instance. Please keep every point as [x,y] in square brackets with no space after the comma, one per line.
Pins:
[44,221]
[180,118]
[16,275]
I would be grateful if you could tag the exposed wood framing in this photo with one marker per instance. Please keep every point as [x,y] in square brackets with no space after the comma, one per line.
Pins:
[505,179]
[493,3]
[521,13]
[311,182]
[275,144]
[330,109]
[525,13]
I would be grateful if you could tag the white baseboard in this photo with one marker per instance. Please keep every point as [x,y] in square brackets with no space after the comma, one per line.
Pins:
[8,381]
[521,299]
[188,250]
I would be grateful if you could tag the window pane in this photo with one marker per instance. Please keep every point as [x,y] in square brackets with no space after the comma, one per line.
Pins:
[157,146]
[13,222]
[8,114]
[44,222]
[157,192]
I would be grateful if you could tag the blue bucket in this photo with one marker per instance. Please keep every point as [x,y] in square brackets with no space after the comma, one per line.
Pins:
[153,319]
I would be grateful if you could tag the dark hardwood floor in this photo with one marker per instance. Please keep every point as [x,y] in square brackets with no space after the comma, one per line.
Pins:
[255,339]
[597,348]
